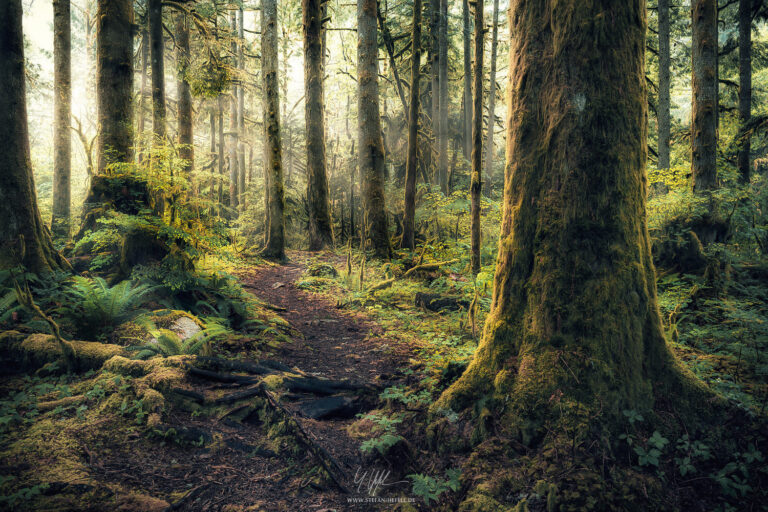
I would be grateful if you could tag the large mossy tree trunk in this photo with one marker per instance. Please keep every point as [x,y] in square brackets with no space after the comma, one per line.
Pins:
[663,109]
[25,239]
[489,149]
[157,58]
[704,86]
[320,227]
[476,180]
[574,326]
[114,34]
[275,227]
[184,109]
[371,145]
[62,112]
[745,84]
[411,166]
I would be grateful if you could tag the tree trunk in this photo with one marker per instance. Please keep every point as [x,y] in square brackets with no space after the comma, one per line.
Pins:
[489,152]
[434,67]
[467,33]
[114,34]
[275,246]
[704,83]
[157,56]
[234,174]
[411,166]
[62,106]
[371,146]
[745,83]
[320,228]
[25,239]
[664,84]
[574,324]
[476,182]
[184,109]
[442,158]
[142,107]
[220,105]
[241,108]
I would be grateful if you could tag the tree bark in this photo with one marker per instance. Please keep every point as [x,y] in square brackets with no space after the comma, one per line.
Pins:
[241,108]
[574,323]
[467,33]
[142,107]
[184,115]
[704,83]
[114,34]
[320,227]
[412,164]
[434,67]
[489,152]
[62,107]
[442,157]
[157,57]
[476,181]
[745,84]
[275,243]
[234,161]
[24,239]
[664,84]
[371,146]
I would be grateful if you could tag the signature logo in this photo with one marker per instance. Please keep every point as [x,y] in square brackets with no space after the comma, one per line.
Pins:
[371,480]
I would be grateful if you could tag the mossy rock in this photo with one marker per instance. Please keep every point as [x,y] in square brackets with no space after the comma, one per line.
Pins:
[322,270]
[37,350]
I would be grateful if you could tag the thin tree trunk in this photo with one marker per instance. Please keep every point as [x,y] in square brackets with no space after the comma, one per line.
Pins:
[241,108]
[143,90]
[411,167]
[220,105]
[466,33]
[213,153]
[157,56]
[114,34]
[62,106]
[489,149]
[24,239]
[320,227]
[371,146]
[442,158]
[434,66]
[275,246]
[476,183]
[704,109]
[664,85]
[184,109]
[745,84]
[234,175]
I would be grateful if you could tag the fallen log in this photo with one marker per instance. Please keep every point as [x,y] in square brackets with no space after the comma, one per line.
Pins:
[418,268]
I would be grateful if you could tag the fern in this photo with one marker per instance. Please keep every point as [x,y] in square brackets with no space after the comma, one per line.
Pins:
[97,307]
[167,343]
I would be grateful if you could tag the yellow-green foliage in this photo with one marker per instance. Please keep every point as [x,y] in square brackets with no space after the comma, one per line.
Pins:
[39,349]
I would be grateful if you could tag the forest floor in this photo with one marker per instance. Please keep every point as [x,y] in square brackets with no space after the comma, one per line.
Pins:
[205,462]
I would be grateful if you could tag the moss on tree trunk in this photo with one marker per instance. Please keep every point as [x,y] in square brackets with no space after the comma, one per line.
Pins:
[62,106]
[574,324]
[24,239]
[704,88]
[411,166]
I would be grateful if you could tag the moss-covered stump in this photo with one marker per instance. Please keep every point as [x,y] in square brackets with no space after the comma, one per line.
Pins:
[141,245]
[38,350]
[122,193]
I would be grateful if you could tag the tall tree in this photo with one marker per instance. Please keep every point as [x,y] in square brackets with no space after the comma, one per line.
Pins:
[574,313]
[476,181]
[320,227]
[489,151]
[62,107]
[25,239]
[434,68]
[663,109]
[442,156]
[275,229]
[184,109]
[157,57]
[704,83]
[234,161]
[114,35]
[467,37]
[371,145]
[411,166]
[745,83]
[241,106]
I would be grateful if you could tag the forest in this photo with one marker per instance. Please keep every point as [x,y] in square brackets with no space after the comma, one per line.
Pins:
[326,255]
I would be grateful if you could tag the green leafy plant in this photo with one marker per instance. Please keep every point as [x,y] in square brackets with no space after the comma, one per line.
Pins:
[388,438]
[430,488]
[97,307]
[165,342]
